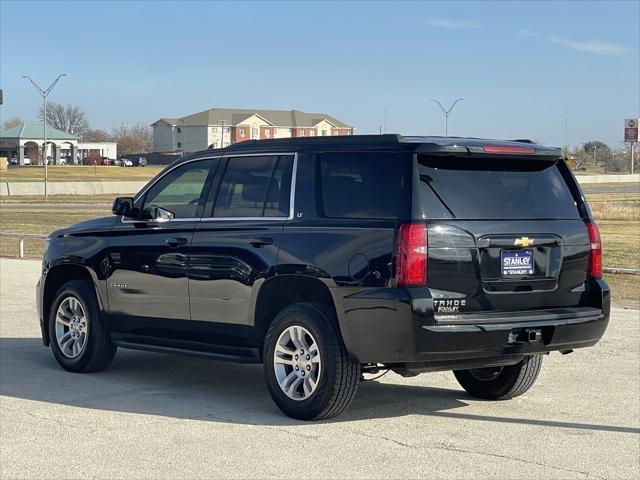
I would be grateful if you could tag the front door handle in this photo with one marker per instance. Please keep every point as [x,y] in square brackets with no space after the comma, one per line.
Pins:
[176,242]
[261,242]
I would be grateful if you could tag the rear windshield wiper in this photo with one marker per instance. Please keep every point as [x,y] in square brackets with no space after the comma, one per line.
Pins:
[428,180]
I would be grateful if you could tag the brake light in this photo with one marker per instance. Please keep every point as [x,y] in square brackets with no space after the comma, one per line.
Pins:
[503,149]
[595,251]
[411,255]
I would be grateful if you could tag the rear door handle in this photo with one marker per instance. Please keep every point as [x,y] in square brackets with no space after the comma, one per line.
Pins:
[176,242]
[261,242]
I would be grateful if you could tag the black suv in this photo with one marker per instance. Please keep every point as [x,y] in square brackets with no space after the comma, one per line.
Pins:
[326,258]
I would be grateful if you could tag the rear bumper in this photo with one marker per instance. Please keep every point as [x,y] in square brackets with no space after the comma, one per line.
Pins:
[409,332]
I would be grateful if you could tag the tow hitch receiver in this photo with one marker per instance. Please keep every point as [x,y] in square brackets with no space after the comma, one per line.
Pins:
[525,335]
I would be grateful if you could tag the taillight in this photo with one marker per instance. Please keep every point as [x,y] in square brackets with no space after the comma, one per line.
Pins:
[411,255]
[595,251]
[504,149]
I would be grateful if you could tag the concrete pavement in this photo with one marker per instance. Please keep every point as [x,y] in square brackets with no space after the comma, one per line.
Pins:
[162,416]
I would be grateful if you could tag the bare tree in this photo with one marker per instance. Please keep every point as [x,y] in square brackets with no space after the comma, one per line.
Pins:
[11,122]
[96,135]
[70,119]
[135,139]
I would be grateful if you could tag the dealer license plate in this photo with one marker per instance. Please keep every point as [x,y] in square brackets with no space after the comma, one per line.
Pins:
[517,262]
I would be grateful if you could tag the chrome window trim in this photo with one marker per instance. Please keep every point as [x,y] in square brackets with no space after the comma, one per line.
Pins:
[292,194]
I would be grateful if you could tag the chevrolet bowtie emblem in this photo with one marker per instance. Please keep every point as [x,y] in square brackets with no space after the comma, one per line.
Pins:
[524,241]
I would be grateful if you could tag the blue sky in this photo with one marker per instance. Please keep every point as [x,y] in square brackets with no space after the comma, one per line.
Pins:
[516,64]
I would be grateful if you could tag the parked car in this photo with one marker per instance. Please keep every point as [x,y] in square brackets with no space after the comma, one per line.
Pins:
[331,257]
[125,162]
[16,161]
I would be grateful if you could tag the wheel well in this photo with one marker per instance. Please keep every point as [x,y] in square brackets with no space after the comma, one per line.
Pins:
[280,292]
[56,277]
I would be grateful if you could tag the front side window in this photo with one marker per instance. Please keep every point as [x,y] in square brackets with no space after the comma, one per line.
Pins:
[365,185]
[255,186]
[182,191]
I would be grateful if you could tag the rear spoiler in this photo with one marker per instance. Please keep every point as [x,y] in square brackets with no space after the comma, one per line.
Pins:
[519,149]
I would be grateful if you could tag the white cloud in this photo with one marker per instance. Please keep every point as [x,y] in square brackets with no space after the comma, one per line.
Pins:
[597,47]
[593,46]
[450,23]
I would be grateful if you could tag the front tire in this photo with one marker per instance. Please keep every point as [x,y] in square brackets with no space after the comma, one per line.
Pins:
[79,340]
[501,383]
[309,372]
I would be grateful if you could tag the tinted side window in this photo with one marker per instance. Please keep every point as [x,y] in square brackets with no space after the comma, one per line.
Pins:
[182,191]
[255,186]
[499,188]
[365,185]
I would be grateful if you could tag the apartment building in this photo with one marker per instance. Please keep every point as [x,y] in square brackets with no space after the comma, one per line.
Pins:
[220,127]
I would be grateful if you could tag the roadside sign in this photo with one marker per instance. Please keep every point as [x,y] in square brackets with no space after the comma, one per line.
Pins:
[631,130]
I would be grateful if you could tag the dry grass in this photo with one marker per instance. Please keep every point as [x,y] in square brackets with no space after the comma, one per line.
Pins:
[83,173]
[625,290]
[616,210]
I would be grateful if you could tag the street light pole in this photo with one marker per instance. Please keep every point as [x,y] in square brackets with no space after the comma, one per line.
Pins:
[446,113]
[221,122]
[44,94]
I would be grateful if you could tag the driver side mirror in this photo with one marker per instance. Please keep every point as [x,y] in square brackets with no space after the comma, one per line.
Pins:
[123,206]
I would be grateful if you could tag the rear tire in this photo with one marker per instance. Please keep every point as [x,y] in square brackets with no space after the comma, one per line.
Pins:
[75,318]
[501,383]
[309,329]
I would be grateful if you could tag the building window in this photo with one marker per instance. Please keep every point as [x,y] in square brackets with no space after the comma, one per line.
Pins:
[267,132]
[302,132]
[214,129]
[242,132]
[324,133]
[179,130]
[179,144]
[226,144]
[255,132]
[312,133]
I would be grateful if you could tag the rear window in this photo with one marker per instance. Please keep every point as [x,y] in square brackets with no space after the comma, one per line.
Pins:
[365,185]
[493,189]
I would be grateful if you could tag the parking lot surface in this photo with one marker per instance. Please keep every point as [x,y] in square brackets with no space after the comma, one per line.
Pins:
[160,416]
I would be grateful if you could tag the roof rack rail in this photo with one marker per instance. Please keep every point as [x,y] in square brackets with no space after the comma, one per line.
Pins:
[522,140]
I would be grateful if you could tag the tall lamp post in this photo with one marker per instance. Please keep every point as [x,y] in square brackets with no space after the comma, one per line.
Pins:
[446,113]
[222,122]
[44,94]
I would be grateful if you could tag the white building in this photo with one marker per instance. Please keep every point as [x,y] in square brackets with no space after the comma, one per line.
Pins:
[220,127]
[27,140]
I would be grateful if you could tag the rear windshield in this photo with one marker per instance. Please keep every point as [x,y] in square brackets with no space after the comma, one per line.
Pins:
[493,189]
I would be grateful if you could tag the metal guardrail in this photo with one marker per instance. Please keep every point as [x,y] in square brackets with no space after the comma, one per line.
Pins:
[22,236]
[627,271]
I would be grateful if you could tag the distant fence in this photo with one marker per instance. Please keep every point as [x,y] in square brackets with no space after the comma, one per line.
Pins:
[8,189]
[610,178]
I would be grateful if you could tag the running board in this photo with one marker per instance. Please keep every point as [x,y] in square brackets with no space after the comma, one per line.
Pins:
[214,352]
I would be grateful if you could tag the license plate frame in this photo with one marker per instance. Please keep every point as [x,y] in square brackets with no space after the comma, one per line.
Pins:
[517,263]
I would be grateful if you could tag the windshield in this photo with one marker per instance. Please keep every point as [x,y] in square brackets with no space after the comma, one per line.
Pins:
[501,188]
